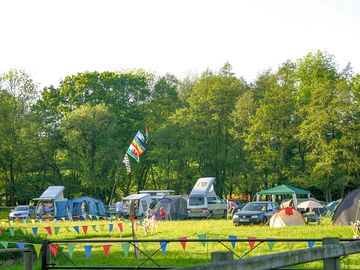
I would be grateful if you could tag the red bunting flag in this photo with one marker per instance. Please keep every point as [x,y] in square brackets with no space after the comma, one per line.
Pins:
[251,243]
[106,249]
[183,242]
[48,229]
[85,229]
[120,227]
[54,249]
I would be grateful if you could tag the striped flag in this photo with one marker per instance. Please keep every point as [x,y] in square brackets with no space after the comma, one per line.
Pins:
[127,163]
[147,135]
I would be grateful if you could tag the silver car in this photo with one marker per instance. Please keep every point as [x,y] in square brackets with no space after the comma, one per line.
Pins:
[22,212]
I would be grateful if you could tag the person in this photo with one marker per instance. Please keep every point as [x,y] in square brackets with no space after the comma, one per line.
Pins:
[83,209]
[162,213]
[119,208]
[68,210]
[40,210]
[149,213]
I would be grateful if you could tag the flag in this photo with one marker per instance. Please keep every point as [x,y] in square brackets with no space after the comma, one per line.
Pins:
[147,135]
[140,136]
[126,162]
[54,249]
[137,144]
[133,152]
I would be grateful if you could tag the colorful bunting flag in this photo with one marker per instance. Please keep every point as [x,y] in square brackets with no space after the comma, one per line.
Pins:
[271,245]
[311,244]
[56,229]
[251,242]
[106,249]
[88,251]
[233,243]
[33,221]
[102,227]
[67,228]
[20,245]
[11,230]
[125,248]
[111,226]
[37,248]
[163,247]
[120,227]
[202,238]
[48,229]
[70,249]
[133,152]
[76,228]
[5,244]
[290,245]
[140,136]
[94,228]
[54,249]
[85,229]
[183,242]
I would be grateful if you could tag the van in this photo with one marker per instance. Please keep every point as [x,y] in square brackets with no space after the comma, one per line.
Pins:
[203,201]
[52,201]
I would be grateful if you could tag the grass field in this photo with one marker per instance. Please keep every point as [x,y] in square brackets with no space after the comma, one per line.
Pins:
[194,253]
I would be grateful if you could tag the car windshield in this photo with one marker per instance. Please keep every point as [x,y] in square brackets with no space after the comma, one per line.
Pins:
[21,208]
[254,207]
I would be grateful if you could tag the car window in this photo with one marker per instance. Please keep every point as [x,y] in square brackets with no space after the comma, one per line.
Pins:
[21,208]
[196,201]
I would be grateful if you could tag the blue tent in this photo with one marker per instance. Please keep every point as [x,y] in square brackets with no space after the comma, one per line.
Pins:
[94,207]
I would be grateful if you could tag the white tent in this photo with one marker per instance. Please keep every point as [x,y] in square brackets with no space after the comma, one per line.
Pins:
[287,217]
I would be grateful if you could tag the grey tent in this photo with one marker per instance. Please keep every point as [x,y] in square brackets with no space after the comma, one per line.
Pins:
[174,206]
[348,210]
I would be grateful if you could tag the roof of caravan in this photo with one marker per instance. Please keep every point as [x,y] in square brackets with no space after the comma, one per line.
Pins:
[203,186]
[156,192]
[51,193]
[135,196]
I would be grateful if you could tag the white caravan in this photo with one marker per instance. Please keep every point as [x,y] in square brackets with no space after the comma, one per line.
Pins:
[203,202]
[156,195]
[141,204]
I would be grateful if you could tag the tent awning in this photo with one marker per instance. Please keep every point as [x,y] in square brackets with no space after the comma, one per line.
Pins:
[283,190]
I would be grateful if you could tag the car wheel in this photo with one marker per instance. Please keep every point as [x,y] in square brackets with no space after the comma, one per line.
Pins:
[225,214]
[264,221]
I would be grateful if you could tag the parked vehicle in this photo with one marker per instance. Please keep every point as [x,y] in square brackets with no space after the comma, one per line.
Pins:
[255,212]
[156,195]
[141,204]
[203,201]
[52,202]
[22,212]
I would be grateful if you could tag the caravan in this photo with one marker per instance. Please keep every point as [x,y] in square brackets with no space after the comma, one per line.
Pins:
[141,204]
[52,202]
[203,202]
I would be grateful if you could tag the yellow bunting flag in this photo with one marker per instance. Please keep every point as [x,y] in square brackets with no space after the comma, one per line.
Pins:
[37,248]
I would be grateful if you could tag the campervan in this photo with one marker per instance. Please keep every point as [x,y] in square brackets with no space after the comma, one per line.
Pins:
[203,201]
[52,202]
[141,203]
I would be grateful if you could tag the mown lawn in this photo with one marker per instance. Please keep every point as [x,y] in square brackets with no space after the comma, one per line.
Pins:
[194,253]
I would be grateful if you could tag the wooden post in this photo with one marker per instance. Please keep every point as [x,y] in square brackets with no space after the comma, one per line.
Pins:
[332,263]
[28,260]
[44,255]
[219,257]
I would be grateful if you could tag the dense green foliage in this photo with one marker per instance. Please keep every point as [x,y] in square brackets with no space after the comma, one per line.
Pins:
[299,125]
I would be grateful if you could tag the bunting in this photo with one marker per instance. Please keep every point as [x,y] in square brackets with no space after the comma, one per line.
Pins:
[183,242]
[111,226]
[37,248]
[56,229]
[70,249]
[48,229]
[106,249]
[202,237]
[233,243]
[85,229]
[76,228]
[88,251]
[54,249]
[271,245]
[4,244]
[35,230]
[20,245]
[311,244]
[251,242]
[163,245]
[125,248]
[11,230]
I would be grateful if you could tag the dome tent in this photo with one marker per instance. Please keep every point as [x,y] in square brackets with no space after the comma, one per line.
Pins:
[287,217]
[348,210]
[174,206]
[95,207]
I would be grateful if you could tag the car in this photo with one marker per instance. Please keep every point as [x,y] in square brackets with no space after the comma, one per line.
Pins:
[22,212]
[255,212]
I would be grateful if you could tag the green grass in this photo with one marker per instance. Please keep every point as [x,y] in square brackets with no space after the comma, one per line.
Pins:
[194,253]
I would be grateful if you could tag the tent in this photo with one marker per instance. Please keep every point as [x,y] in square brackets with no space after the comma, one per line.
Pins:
[283,190]
[287,217]
[348,210]
[174,206]
[95,207]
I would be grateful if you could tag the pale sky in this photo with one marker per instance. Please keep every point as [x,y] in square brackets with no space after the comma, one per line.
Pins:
[51,39]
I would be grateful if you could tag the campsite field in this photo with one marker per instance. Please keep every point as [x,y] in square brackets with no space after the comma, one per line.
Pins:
[194,253]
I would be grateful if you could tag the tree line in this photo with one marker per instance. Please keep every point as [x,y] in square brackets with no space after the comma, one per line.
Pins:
[297,125]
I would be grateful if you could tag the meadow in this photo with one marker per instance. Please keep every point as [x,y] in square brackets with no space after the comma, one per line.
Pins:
[175,254]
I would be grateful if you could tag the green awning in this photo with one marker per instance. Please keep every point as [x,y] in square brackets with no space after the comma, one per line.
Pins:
[283,189]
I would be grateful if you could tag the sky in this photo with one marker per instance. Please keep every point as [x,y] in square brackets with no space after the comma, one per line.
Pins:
[51,39]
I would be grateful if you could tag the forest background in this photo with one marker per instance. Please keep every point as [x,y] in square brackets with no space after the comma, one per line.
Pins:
[297,125]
